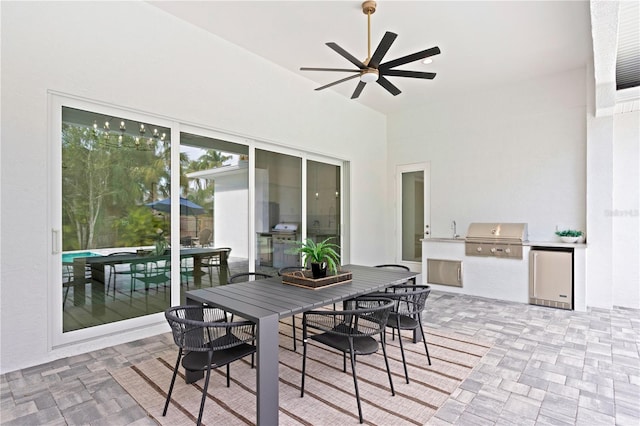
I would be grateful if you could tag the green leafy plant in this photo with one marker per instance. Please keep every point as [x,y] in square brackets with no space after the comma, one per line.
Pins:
[569,233]
[323,251]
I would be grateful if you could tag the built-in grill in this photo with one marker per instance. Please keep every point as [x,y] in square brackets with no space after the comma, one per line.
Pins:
[496,239]
[284,237]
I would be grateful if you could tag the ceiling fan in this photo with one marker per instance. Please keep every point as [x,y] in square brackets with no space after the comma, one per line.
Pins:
[371,69]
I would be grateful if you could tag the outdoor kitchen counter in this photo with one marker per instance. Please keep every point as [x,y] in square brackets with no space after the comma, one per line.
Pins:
[526,243]
[503,279]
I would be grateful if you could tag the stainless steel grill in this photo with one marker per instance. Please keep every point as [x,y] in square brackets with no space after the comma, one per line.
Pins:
[502,240]
[284,237]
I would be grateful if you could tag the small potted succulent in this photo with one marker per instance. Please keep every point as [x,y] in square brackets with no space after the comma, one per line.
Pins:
[569,235]
[321,256]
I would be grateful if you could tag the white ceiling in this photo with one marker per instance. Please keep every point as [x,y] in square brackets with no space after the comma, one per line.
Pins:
[483,43]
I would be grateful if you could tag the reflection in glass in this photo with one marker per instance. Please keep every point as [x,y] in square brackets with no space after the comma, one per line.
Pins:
[214,176]
[278,201]
[113,242]
[323,202]
[412,215]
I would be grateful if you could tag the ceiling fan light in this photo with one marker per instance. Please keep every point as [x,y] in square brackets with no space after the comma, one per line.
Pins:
[369,76]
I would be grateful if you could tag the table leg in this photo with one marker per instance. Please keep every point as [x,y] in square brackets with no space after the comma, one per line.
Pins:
[193,376]
[267,374]
[197,271]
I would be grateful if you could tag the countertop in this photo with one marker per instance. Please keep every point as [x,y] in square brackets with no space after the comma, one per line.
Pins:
[526,243]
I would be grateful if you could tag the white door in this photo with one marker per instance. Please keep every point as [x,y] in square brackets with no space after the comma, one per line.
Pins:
[412,212]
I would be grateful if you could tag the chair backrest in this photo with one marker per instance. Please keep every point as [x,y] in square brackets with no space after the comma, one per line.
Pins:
[397,266]
[247,276]
[204,328]
[365,316]
[205,236]
[290,269]
[393,266]
[410,299]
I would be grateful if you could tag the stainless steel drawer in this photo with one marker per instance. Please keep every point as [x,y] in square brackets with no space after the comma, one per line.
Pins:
[444,272]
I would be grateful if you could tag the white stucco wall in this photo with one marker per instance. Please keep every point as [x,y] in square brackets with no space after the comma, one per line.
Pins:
[133,55]
[534,153]
[512,154]
[626,210]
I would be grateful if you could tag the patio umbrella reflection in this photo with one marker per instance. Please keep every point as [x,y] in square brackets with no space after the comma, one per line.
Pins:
[187,208]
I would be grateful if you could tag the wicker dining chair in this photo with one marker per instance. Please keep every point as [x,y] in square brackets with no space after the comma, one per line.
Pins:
[350,331]
[293,317]
[409,302]
[398,267]
[207,340]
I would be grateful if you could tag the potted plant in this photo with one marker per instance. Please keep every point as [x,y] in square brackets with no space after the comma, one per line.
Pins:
[569,235]
[160,243]
[321,255]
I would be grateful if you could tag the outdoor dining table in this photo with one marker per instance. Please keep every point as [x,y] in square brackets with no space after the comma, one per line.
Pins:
[98,264]
[267,301]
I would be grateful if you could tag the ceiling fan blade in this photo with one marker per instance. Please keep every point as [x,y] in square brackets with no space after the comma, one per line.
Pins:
[410,58]
[414,74]
[382,49]
[328,69]
[348,56]
[338,82]
[358,90]
[389,86]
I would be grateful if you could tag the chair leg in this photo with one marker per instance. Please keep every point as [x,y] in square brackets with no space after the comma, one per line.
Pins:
[304,365]
[404,361]
[355,379]
[66,293]
[424,340]
[228,374]
[293,327]
[204,391]
[383,343]
[173,380]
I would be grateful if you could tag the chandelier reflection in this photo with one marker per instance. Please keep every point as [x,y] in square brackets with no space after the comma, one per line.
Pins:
[122,139]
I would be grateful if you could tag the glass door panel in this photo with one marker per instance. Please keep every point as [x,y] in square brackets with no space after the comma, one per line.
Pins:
[412,211]
[113,261]
[278,201]
[214,188]
[323,202]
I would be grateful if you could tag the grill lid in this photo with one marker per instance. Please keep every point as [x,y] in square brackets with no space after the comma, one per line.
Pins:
[286,227]
[498,232]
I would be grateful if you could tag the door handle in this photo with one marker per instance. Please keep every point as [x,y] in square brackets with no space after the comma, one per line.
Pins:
[55,241]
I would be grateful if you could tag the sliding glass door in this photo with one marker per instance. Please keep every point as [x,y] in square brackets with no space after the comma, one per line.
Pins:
[113,168]
[146,209]
[214,184]
[278,209]
[323,202]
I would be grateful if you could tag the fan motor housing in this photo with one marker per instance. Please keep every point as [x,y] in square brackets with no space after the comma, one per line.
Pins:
[369,75]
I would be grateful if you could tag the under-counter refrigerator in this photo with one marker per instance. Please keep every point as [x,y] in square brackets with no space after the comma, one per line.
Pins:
[551,277]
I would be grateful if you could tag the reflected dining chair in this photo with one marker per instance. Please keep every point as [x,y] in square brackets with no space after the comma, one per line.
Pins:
[247,276]
[67,280]
[117,269]
[219,261]
[350,331]
[207,340]
[149,272]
